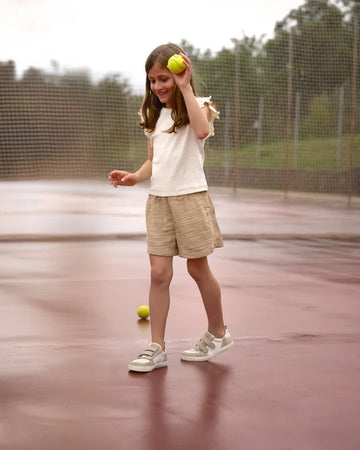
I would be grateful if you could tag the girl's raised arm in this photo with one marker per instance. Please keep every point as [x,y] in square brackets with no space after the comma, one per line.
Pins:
[198,116]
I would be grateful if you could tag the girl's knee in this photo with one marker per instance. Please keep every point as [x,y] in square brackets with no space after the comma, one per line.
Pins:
[197,268]
[161,275]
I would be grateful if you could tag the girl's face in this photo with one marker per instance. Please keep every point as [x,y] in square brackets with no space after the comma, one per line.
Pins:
[162,84]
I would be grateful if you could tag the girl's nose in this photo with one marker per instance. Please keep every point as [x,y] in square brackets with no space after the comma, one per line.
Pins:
[157,86]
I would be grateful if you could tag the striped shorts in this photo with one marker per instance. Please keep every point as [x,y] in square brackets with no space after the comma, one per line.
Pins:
[183,225]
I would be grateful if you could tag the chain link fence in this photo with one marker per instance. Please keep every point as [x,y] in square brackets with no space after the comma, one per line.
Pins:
[287,111]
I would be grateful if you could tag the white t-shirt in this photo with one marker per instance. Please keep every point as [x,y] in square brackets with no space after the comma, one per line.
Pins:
[178,158]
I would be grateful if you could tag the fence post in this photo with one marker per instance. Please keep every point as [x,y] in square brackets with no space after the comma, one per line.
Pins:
[340,126]
[296,129]
[237,117]
[353,104]
[288,113]
[259,125]
[227,139]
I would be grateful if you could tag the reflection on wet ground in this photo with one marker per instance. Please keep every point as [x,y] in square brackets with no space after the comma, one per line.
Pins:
[69,328]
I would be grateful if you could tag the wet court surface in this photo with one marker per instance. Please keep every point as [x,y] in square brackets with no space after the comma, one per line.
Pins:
[69,329]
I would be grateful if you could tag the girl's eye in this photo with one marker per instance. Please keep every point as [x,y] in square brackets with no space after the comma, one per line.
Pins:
[163,80]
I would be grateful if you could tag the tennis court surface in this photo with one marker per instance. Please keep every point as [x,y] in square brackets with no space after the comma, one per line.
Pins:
[74,269]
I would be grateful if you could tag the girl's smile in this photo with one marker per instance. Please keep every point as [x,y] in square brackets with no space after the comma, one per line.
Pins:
[162,84]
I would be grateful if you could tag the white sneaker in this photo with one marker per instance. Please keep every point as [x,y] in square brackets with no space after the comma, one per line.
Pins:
[208,347]
[153,357]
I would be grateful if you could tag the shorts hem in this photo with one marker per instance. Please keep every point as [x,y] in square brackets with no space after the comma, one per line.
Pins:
[161,253]
[200,254]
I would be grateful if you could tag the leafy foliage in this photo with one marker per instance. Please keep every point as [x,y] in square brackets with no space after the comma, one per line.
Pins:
[67,123]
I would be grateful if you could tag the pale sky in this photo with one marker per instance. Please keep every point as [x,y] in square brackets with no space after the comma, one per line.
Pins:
[111,36]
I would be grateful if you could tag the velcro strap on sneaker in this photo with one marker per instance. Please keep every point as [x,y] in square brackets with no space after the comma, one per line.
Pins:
[205,342]
[148,353]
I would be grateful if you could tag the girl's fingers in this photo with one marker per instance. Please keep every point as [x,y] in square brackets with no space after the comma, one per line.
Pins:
[185,58]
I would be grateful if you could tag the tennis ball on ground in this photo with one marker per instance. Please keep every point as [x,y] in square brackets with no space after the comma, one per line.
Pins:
[176,64]
[143,311]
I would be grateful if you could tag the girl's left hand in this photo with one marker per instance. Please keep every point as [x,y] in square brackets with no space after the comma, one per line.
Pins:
[183,78]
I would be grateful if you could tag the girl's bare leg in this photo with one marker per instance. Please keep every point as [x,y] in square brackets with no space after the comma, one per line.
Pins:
[210,292]
[159,296]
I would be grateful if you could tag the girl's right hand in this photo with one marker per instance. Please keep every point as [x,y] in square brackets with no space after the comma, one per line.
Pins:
[122,178]
[183,78]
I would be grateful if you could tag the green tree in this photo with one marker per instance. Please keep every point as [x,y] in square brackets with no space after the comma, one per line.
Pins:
[232,78]
[322,36]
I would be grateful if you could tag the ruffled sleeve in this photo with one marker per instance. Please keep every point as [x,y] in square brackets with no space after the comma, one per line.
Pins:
[146,132]
[214,113]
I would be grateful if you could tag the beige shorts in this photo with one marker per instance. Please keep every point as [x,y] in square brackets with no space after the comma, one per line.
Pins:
[183,225]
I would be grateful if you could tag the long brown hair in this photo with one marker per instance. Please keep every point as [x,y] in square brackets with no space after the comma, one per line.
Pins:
[151,105]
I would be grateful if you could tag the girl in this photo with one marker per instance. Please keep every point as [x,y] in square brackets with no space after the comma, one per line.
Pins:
[180,217]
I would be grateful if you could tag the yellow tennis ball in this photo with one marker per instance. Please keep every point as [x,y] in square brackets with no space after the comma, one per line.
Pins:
[143,311]
[176,64]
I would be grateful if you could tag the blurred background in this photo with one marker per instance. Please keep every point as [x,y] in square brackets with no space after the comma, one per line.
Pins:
[284,174]
[287,99]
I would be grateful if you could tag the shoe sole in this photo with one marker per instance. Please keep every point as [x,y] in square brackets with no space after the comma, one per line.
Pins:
[143,369]
[206,358]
